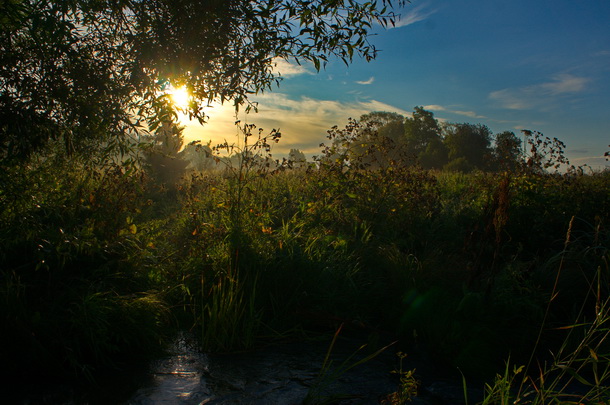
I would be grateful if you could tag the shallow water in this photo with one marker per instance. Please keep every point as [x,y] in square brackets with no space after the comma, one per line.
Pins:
[277,374]
[280,373]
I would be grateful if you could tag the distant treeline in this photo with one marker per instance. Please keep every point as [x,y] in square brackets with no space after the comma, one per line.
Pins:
[377,139]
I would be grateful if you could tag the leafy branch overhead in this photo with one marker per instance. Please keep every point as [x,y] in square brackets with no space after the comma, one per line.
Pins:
[89,71]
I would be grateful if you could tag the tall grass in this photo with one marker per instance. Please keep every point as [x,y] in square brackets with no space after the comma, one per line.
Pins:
[228,319]
[463,264]
[394,249]
[320,391]
[578,369]
[75,295]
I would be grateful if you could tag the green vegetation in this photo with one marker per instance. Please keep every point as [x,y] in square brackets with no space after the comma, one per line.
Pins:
[442,235]
[321,391]
[381,137]
[100,264]
[94,74]
[407,388]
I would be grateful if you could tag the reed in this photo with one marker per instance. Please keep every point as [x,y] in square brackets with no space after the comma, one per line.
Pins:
[228,318]
[321,392]
[578,372]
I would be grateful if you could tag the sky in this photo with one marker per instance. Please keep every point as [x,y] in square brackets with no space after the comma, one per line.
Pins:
[541,65]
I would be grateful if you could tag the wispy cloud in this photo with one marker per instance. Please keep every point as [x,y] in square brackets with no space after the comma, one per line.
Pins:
[562,84]
[303,121]
[597,163]
[366,82]
[513,99]
[436,107]
[539,95]
[470,114]
[416,14]
[287,69]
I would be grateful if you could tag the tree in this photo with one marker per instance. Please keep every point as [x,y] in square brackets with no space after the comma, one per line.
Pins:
[164,158]
[435,156]
[386,124]
[508,154]
[379,139]
[95,73]
[296,158]
[346,149]
[470,142]
[420,130]
[460,164]
[199,156]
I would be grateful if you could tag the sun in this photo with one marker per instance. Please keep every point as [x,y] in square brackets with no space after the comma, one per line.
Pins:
[180,97]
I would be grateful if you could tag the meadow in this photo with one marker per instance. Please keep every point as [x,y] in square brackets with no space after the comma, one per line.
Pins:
[499,275]
[445,237]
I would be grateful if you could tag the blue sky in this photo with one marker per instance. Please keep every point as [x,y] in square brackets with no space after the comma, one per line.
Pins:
[511,65]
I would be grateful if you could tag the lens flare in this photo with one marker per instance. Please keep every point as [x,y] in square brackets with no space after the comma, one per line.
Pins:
[180,97]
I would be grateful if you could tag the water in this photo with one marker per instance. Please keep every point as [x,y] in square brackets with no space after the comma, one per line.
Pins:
[277,374]
[280,373]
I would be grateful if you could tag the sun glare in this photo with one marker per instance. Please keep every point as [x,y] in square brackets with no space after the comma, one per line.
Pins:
[180,97]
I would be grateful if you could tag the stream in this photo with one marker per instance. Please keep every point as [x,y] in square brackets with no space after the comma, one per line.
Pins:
[281,373]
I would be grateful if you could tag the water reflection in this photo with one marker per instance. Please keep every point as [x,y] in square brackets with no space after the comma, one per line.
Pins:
[176,379]
[278,374]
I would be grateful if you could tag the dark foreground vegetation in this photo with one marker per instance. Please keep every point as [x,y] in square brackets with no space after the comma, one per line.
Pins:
[470,251]
[101,265]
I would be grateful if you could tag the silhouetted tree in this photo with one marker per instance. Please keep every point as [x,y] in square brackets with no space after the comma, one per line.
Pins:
[508,153]
[386,124]
[297,158]
[200,157]
[470,142]
[93,72]
[420,130]
[435,156]
[164,158]
[379,140]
